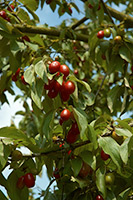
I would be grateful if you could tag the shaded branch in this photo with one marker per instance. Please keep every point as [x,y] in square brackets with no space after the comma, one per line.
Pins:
[127,19]
[72,147]
[49,32]
[78,23]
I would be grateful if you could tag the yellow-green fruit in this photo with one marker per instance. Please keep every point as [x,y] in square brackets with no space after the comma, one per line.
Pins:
[117,138]
[109,178]
[118,39]
[17,155]
[107,32]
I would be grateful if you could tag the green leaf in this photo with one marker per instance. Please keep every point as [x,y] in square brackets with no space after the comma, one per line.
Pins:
[6,26]
[29,75]
[89,158]
[125,53]
[92,136]
[114,64]
[123,132]
[124,194]
[41,71]
[100,180]
[111,147]
[76,165]
[89,98]
[113,97]
[81,119]
[48,123]
[126,148]
[31,4]
[36,93]
[17,135]
[86,85]
[2,196]
[4,153]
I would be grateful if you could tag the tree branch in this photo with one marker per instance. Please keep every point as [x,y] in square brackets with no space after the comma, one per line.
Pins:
[127,19]
[72,147]
[79,22]
[49,32]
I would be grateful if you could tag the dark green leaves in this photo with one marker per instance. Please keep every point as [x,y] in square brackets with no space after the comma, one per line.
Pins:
[100,180]
[76,165]
[110,146]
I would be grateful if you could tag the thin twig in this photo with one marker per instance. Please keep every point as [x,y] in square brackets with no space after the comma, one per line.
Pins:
[107,11]
[78,23]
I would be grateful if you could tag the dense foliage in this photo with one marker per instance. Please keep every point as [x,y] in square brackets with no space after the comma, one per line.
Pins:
[79,78]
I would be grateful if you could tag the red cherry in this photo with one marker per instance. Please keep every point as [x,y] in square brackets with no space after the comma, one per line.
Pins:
[71,137]
[104,156]
[54,67]
[3,14]
[61,121]
[29,180]
[85,170]
[9,9]
[57,86]
[20,183]
[90,6]
[65,114]
[103,57]
[75,128]
[69,152]
[8,19]
[64,96]
[14,78]
[70,9]
[56,173]
[52,93]
[99,7]
[69,87]
[99,197]
[26,38]
[100,34]
[132,68]
[48,1]
[50,85]
[76,72]
[64,69]
[23,81]
[17,72]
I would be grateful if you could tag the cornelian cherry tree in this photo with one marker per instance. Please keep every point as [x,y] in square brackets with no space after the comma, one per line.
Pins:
[79,78]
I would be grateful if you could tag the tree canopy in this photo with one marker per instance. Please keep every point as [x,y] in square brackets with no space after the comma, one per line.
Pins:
[79,78]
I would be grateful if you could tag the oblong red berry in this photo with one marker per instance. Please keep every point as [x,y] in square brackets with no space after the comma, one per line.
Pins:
[29,180]
[54,67]
[69,87]
[65,114]
[64,69]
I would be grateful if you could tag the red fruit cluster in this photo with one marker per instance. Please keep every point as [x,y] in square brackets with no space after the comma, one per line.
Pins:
[73,133]
[56,173]
[15,76]
[27,180]
[10,8]
[104,156]
[4,15]
[54,87]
